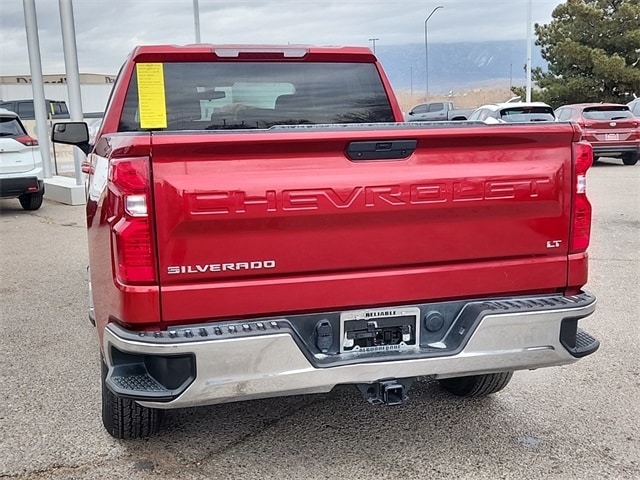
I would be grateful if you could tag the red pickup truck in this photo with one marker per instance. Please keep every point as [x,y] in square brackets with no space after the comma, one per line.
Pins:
[261,223]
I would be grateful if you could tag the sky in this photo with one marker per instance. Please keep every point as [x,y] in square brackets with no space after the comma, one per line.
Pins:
[107,30]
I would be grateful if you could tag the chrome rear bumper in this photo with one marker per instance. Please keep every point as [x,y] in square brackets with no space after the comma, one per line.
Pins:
[268,361]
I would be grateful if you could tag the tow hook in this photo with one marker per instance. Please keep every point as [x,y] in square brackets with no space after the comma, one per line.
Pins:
[387,392]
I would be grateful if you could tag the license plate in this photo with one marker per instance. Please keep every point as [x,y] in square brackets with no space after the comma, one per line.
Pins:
[380,330]
[612,136]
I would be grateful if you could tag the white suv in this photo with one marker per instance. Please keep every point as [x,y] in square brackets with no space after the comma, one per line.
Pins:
[513,112]
[21,173]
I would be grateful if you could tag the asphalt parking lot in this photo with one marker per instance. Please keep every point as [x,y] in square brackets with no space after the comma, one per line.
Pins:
[580,421]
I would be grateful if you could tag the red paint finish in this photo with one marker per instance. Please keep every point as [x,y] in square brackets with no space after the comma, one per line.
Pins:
[264,222]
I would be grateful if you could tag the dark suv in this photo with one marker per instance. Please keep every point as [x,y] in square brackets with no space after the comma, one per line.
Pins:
[611,129]
[24,108]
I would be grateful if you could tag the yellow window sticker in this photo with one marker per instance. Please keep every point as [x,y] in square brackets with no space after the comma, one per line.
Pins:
[153,109]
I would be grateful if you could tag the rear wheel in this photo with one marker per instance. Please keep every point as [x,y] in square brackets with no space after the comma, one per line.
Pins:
[124,418]
[476,385]
[31,201]
[630,158]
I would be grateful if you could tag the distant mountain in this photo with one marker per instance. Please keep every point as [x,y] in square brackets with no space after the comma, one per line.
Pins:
[457,66]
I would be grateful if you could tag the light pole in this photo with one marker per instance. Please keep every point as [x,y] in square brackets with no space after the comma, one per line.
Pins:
[426,53]
[196,19]
[373,40]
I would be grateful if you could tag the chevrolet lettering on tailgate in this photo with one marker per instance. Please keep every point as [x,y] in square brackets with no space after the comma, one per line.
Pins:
[226,202]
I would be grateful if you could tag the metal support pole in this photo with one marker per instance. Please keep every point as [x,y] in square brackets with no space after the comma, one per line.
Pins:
[73,76]
[37,84]
[196,19]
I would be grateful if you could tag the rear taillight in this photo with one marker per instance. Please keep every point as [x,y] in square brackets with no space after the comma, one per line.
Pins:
[581,214]
[132,232]
[26,140]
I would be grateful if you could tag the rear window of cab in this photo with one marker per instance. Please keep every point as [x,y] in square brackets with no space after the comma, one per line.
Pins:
[252,95]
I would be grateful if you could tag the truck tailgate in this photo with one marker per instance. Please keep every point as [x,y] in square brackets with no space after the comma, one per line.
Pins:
[281,221]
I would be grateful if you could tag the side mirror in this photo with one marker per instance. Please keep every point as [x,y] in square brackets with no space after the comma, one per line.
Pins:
[72,133]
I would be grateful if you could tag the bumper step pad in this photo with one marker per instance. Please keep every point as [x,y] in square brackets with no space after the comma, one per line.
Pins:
[135,381]
[585,344]
[161,378]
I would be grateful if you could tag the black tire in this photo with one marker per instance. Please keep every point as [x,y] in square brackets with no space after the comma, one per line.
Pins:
[477,385]
[123,418]
[630,158]
[31,201]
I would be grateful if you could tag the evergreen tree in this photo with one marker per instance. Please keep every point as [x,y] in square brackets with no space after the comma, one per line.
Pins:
[593,51]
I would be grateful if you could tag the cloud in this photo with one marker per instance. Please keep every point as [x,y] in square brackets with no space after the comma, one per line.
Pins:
[107,30]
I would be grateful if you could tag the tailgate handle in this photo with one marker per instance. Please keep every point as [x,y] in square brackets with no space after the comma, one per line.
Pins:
[381,149]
